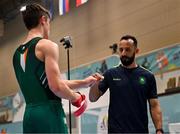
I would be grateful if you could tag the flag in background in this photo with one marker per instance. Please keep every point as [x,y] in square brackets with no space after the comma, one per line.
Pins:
[50,6]
[63,6]
[80,2]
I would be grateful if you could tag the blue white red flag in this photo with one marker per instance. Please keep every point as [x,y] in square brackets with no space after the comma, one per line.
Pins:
[63,6]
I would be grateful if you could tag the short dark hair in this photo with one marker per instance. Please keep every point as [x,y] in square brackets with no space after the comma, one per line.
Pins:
[127,37]
[32,13]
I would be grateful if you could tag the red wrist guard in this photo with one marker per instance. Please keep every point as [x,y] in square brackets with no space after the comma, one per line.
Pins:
[78,102]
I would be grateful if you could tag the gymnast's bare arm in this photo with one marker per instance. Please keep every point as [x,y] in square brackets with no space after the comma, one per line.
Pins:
[48,52]
[87,82]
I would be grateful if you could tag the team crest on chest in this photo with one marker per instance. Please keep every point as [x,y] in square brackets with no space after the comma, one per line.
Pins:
[142,80]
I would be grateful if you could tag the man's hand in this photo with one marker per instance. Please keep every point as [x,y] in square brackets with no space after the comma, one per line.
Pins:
[98,76]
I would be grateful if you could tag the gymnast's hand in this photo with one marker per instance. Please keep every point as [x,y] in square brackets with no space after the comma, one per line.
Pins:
[98,78]
[90,81]
[81,104]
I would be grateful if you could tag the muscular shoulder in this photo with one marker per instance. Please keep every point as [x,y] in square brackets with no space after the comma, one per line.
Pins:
[45,45]
[46,48]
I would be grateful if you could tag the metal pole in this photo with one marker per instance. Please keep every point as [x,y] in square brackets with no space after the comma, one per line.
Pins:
[67,43]
[70,127]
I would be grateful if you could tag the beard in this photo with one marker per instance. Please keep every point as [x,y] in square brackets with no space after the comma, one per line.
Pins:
[126,61]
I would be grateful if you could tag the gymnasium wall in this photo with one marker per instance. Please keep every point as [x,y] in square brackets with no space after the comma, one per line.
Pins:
[95,26]
[95,116]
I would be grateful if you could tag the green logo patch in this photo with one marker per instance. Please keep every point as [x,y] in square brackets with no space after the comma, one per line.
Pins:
[142,80]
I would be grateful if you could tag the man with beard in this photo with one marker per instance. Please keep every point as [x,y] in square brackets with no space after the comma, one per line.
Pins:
[130,86]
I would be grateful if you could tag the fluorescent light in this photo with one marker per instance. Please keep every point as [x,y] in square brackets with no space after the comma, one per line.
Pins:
[23,8]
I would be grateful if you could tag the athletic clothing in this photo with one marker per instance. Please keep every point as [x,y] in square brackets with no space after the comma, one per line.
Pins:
[44,112]
[129,91]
